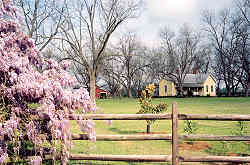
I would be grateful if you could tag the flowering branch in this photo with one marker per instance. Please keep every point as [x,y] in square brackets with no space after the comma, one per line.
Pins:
[21,133]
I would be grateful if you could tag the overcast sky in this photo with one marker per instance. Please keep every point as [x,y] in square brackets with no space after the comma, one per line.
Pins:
[173,13]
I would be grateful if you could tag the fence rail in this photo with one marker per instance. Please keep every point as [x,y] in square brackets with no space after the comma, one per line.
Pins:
[157,158]
[162,117]
[175,158]
[161,137]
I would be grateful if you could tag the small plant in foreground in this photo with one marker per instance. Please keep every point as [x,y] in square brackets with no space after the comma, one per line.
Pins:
[240,130]
[190,127]
[146,105]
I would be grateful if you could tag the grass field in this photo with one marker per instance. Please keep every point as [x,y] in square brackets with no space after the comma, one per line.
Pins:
[202,105]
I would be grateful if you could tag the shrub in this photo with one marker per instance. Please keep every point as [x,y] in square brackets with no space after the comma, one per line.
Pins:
[146,105]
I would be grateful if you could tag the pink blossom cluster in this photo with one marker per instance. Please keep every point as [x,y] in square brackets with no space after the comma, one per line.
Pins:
[36,161]
[7,8]
[26,78]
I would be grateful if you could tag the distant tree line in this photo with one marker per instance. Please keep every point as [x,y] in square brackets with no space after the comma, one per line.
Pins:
[80,30]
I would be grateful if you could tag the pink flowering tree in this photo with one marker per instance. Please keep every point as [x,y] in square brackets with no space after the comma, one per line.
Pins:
[26,78]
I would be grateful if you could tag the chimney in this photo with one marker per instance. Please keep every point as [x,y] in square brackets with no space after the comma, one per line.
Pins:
[195,71]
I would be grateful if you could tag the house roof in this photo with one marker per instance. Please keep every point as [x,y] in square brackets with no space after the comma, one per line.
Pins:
[193,80]
[196,78]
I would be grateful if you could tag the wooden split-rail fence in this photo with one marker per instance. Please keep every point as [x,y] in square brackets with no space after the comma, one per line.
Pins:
[175,158]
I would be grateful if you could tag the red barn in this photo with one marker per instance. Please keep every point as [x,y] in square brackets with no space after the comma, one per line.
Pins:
[101,93]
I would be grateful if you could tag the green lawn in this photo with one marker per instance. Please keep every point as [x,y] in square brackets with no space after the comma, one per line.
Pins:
[200,105]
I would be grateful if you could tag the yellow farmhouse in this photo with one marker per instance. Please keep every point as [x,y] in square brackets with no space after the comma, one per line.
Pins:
[193,85]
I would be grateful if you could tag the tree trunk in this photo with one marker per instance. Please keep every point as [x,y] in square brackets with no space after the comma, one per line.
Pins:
[181,90]
[218,92]
[129,93]
[246,90]
[92,84]
[247,86]
[129,88]
[228,90]
[148,128]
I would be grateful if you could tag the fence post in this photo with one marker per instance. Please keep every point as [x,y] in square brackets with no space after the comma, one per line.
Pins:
[175,160]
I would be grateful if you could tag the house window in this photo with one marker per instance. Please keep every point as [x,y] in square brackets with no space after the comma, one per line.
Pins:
[212,88]
[207,88]
[166,88]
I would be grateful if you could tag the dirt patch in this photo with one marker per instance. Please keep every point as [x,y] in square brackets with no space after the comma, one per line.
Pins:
[196,146]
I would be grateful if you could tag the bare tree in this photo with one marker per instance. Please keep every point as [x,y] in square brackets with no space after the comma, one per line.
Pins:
[225,33]
[181,53]
[81,74]
[141,66]
[243,44]
[202,62]
[157,63]
[244,6]
[127,47]
[128,64]
[243,56]
[111,74]
[42,19]
[98,19]
[131,58]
